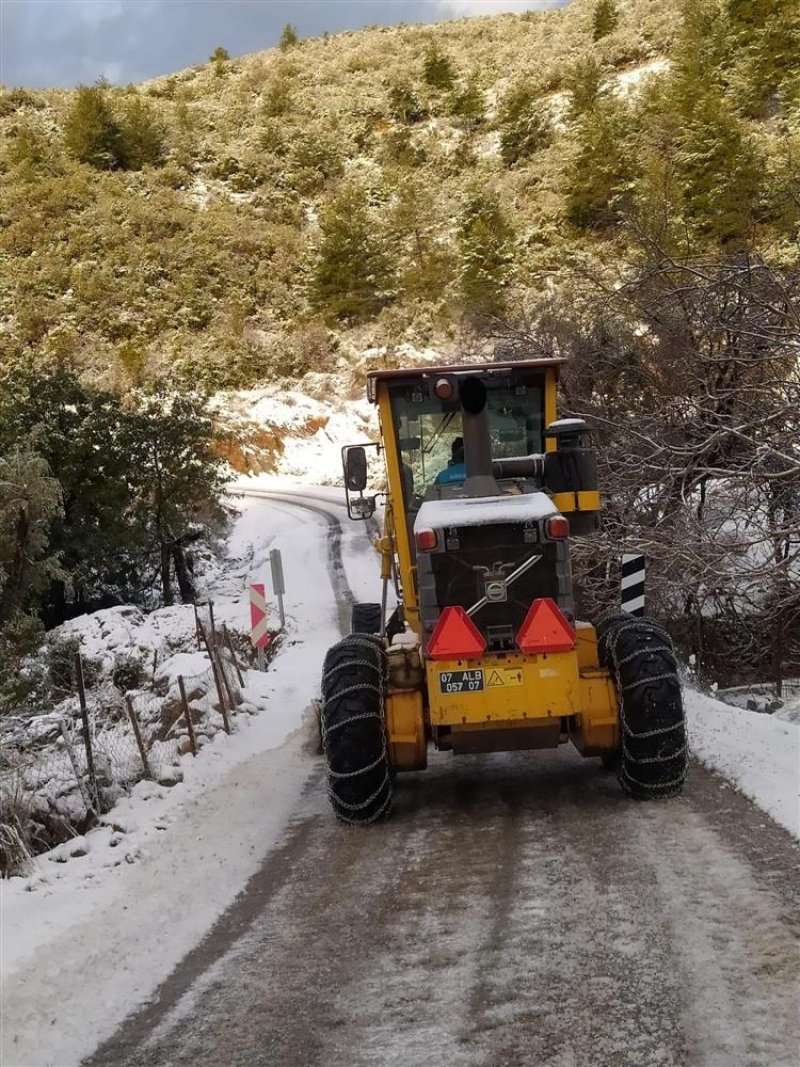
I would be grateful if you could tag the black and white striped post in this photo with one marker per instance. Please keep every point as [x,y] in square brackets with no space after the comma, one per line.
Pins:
[633,567]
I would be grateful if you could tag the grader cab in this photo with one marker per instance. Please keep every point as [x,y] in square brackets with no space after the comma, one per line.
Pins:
[483,652]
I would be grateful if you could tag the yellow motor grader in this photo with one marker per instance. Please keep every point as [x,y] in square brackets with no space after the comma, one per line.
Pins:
[483,652]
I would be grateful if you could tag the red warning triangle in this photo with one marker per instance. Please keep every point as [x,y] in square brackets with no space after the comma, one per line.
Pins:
[545,629]
[455,636]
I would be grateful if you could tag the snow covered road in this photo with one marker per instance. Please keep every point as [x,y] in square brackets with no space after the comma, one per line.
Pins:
[516,909]
[507,916]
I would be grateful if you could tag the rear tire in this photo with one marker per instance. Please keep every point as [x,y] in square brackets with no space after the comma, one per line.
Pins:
[353,730]
[653,754]
[366,619]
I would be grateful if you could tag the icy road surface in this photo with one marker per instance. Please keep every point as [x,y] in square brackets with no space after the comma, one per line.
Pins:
[516,910]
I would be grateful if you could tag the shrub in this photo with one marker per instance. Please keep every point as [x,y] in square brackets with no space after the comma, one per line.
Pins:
[404,105]
[288,38]
[91,133]
[128,673]
[468,105]
[437,69]
[524,125]
[604,18]
[142,135]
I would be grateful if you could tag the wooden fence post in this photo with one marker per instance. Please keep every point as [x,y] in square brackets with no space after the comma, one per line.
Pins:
[188,714]
[87,739]
[211,621]
[217,682]
[222,707]
[229,643]
[197,628]
[226,681]
[76,770]
[137,733]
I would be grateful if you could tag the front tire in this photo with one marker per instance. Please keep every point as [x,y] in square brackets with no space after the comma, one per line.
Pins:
[353,730]
[654,751]
[366,619]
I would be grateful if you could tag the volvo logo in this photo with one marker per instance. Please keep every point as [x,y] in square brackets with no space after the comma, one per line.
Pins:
[496,592]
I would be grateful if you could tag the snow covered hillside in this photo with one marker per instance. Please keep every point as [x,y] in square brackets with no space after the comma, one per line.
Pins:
[297,429]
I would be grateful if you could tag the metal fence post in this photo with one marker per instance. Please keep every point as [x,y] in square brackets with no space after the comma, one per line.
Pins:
[278,584]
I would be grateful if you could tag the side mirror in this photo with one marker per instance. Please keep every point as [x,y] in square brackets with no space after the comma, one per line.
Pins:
[355,469]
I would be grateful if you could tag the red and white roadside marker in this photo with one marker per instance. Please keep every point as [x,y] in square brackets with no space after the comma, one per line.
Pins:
[259,633]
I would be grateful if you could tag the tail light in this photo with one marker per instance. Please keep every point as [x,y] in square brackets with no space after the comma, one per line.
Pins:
[426,540]
[556,527]
[546,629]
[456,636]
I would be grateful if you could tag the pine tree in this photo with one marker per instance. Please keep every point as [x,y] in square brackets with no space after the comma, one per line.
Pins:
[279,92]
[524,125]
[601,168]
[288,37]
[77,432]
[438,70]
[468,105]
[719,171]
[765,38]
[700,54]
[404,105]
[91,133]
[604,18]
[584,83]
[142,135]
[716,166]
[426,263]
[352,277]
[30,502]
[485,239]
[176,479]
[219,57]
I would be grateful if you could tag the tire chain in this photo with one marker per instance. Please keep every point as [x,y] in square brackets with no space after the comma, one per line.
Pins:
[363,658]
[638,773]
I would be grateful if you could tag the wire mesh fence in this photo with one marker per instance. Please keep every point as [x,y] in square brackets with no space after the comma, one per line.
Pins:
[62,771]
[761,696]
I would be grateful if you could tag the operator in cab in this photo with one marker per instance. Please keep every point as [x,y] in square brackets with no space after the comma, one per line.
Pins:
[456,469]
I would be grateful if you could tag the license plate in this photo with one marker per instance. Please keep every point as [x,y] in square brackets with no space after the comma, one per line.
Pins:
[461,681]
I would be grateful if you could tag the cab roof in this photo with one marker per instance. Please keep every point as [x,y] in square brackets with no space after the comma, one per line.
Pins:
[409,373]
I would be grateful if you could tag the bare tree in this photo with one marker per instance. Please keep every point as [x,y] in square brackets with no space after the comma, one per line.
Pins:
[689,372]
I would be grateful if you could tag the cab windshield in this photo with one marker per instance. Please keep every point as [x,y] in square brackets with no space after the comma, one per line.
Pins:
[429,431]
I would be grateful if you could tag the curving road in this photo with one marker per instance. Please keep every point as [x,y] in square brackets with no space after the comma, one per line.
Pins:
[516,910]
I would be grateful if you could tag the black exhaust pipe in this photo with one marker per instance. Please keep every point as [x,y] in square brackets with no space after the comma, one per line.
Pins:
[480,480]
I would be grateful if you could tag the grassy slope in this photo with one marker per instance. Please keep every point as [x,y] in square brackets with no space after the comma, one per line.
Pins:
[203,264]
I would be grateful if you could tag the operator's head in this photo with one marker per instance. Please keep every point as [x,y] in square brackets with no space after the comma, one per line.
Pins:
[457,450]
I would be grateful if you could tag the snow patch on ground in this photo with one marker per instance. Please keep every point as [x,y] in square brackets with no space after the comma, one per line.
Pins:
[759,754]
[630,81]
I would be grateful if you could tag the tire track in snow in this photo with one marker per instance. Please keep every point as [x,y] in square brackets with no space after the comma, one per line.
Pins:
[516,910]
[342,592]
